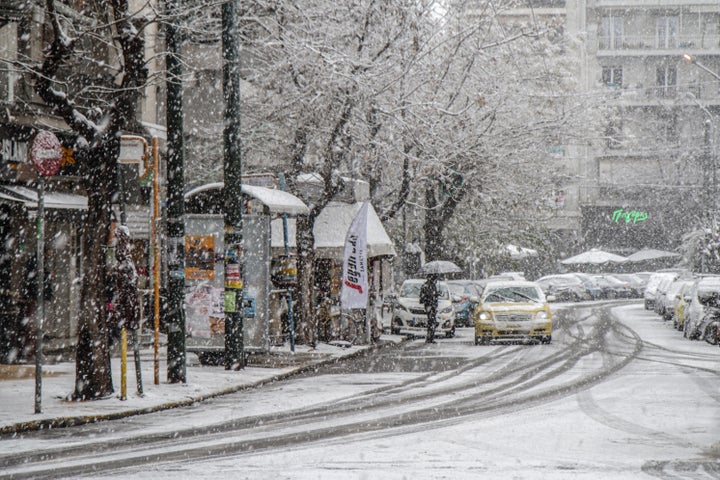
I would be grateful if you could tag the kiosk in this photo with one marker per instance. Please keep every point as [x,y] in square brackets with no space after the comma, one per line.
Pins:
[204,274]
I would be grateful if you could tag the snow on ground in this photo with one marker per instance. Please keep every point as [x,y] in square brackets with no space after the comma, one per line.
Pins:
[661,412]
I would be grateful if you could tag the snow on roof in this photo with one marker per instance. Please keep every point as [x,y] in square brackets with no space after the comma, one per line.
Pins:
[594,256]
[650,254]
[277,201]
[330,229]
[51,199]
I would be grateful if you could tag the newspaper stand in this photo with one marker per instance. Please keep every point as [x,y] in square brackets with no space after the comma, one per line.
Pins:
[204,271]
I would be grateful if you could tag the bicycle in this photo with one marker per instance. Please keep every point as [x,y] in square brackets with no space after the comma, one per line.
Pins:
[352,326]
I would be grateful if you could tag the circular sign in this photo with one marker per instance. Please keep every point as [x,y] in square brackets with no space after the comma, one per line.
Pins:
[45,153]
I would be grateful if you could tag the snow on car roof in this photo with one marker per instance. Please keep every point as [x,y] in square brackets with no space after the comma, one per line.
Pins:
[511,283]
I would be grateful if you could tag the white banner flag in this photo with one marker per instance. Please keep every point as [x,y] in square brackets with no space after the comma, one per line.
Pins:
[354,292]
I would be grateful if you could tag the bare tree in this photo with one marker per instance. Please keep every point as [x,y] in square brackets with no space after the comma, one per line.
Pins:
[97,108]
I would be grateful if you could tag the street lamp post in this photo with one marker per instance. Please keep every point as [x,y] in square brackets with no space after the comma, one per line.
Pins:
[710,157]
[693,59]
[709,154]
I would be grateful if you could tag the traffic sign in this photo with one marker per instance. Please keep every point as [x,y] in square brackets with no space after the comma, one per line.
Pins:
[46,153]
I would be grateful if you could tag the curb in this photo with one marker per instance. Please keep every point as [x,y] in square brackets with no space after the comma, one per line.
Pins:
[63,422]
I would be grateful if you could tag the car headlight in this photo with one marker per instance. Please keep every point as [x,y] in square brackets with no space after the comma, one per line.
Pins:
[447,309]
[541,315]
[484,316]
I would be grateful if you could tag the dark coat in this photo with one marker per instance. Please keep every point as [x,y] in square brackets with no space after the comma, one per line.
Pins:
[429,294]
[126,302]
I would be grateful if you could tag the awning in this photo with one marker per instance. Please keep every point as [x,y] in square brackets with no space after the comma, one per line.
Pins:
[330,229]
[51,199]
[277,201]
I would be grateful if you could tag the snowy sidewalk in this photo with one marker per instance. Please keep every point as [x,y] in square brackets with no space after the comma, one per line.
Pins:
[17,385]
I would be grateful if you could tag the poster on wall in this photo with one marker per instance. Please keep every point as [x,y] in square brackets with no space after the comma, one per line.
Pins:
[199,257]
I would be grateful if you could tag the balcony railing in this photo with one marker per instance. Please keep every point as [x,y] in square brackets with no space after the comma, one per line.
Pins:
[670,42]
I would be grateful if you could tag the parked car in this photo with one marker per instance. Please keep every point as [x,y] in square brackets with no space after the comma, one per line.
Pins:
[612,287]
[680,304]
[513,275]
[710,332]
[513,310]
[651,287]
[591,286]
[669,297]
[465,295]
[661,300]
[409,318]
[636,284]
[703,289]
[565,287]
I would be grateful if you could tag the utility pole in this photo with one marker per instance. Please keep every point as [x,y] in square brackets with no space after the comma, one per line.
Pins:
[232,193]
[176,353]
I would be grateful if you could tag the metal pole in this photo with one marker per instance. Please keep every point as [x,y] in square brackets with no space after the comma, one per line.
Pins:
[138,369]
[123,363]
[176,348]
[155,238]
[291,319]
[40,282]
[232,193]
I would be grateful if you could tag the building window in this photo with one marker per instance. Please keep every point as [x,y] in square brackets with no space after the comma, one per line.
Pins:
[669,127]
[666,32]
[612,76]
[611,32]
[613,134]
[666,81]
[8,52]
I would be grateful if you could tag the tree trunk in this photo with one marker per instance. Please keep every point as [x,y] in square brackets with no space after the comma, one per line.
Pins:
[93,377]
[437,214]
[305,326]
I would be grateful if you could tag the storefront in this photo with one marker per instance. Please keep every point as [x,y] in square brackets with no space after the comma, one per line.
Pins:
[18,285]
[330,229]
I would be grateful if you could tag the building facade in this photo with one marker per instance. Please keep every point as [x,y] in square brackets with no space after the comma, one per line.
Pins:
[649,176]
[643,172]
[24,29]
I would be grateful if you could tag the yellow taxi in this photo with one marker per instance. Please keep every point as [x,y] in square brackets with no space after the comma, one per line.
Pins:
[512,310]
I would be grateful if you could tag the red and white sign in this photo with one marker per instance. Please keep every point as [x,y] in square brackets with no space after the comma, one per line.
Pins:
[45,153]
[354,291]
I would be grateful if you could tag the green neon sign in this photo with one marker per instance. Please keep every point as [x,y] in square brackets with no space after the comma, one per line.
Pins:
[631,216]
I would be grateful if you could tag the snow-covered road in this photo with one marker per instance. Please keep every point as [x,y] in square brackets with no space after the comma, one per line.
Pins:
[618,394]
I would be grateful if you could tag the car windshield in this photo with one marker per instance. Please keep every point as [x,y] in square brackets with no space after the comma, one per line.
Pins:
[514,294]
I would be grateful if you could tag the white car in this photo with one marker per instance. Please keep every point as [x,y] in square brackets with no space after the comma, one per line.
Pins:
[652,285]
[695,311]
[409,316]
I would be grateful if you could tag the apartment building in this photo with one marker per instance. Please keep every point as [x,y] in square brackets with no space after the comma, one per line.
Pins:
[643,172]
[653,158]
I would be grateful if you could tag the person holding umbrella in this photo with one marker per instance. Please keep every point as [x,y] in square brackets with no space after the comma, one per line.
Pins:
[429,300]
